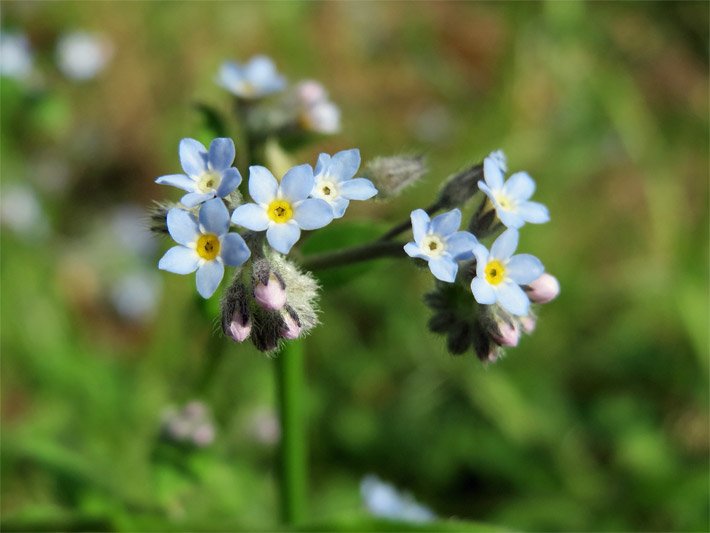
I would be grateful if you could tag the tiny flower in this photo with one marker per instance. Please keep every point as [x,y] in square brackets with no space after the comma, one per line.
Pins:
[15,56]
[253,80]
[208,174]
[204,245]
[317,112]
[335,184]
[507,334]
[282,209]
[82,55]
[385,501]
[499,274]
[511,198]
[438,242]
[272,295]
[543,289]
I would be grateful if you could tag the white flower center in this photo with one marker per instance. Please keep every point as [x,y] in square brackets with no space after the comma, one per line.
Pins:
[506,203]
[326,190]
[209,181]
[433,245]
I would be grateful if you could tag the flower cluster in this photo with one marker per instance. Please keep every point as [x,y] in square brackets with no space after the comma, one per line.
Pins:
[503,284]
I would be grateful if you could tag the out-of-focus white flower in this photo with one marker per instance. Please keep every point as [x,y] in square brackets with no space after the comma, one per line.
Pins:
[317,112]
[21,211]
[15,56]
[82,55]
[264,426]
[129,226]
[136,295]
[383,500]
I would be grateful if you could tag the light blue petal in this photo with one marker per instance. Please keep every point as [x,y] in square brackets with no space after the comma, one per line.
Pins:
[499,158]
[420,224]
[262,185]
[524,268]
[251,216]
[481,254]
[492,173]
[181,181]
[347,161]
[505,245]
[413,250]
[195,198]
[357,189]
[460,245]
[322,164]
[179,260]
[230,75]
[510,219]
[486,189]
[193,157]
[208,277]
[446,223]
[234,249]
[282,237]
[231,178]
[519,186]
[534,212]
[313,213]
[182,226]
[262,74]
[214,217]
[483,292]
[297,183]
[513,299]
[339,206]
[222,153]
[444,269]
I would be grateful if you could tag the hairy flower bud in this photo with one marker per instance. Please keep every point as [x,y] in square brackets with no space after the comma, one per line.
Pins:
[460,187]
[292,325]
[236,318]
[543,289]
[158,213]
[391,175]
[506,334]
[528,323]
[272,295]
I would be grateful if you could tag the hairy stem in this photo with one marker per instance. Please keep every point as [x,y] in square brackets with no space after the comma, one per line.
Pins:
[356,254]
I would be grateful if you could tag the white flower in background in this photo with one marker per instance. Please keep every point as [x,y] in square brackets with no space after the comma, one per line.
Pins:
[253,80]
[15,56]
[82,55]
[21,211]
[136,295]
[128,226]
[317,112]
[384,501]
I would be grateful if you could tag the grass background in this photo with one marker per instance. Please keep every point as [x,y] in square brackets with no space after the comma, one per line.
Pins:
[598,421]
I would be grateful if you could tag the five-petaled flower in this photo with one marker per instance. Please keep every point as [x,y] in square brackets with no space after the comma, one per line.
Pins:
[511,198]
[282,209]
[439,242]
[203,245]
[253,80]
[335,184]
[499,274]
[208,174]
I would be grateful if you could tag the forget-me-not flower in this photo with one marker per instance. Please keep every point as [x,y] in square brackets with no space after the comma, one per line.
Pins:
[15,56]
[82,55]
[252,80]
[499,274]
[439,242]
[208,174]
[282,209]
[335,184]
[511,198]
[203,245]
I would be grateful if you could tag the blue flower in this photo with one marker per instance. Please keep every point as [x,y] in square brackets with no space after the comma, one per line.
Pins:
[439,242]
[499,274]
[255,79]
[511,198]
[282,209]
[335,184]
[204,245]
[208,174]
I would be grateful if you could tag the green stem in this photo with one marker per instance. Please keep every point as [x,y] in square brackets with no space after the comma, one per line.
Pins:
[352,255]
[292,451]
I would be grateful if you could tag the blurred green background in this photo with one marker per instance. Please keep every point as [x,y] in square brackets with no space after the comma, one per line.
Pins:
[598,421]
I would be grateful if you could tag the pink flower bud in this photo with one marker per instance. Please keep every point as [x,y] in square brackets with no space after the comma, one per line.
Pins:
[291,329]
[543,289]
[528,323]
[203,435]
[507,334]
[271,296]
[237,330]
[310,92]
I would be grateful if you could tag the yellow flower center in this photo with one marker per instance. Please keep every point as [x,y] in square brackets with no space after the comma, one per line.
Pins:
[505,203]
[209,181]
[279,211]
[495,272]
[433,245]
[208,246]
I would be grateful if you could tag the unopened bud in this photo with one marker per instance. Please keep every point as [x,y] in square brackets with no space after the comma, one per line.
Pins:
[543,289]
[272,295]
[292,327]
[460,187]
[236,319]
[203,435]
[528,323]
[506,334]
[239,331]
[391,175]
[159,217]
